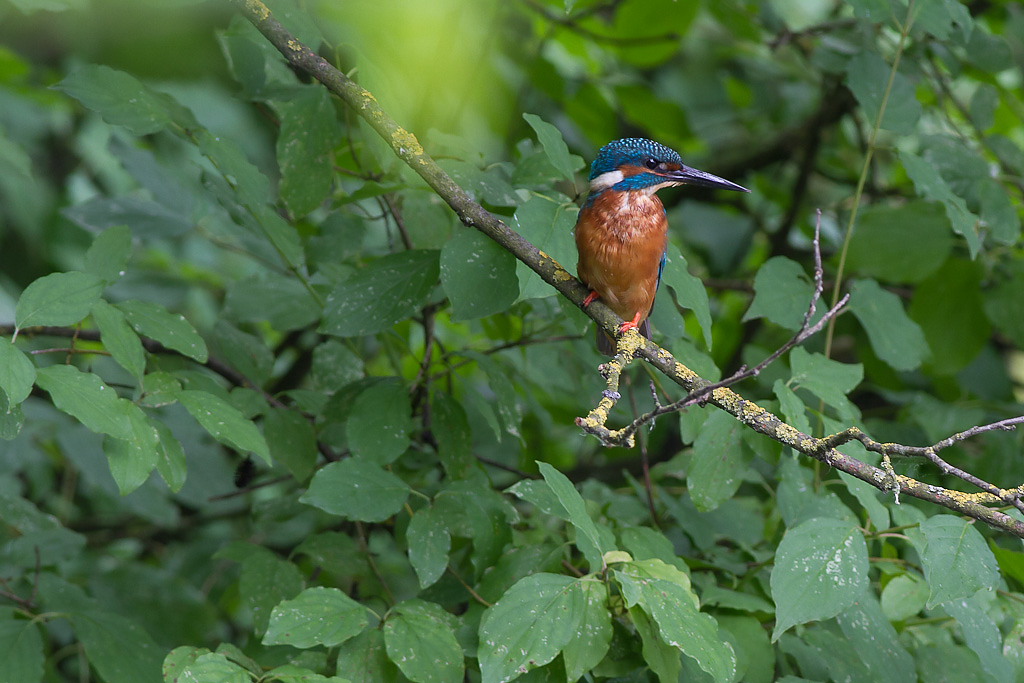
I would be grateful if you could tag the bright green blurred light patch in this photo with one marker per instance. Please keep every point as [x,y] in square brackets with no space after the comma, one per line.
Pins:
[432,65]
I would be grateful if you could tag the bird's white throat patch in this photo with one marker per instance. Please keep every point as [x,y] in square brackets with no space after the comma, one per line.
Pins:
[606,180]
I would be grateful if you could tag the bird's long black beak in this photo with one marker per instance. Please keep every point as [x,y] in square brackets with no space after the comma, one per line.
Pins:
[692,176]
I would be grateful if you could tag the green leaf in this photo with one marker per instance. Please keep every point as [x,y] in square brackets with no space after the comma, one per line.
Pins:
[292,441]
[316,616]
[982,635]
[689,290]
[147,218]
[1003,305]
[208,667]
[664,593]
[719,461]
[419,638]
[389,290]
[867,75]
[896,338]
[224,422]
[821,568]
[267,580]
[998,211]
[479,276]
[554,147]
[782,293]
[363,659]
[170,462]
[950,309]
[356,489]
[903,597]
[173,331]
[827,379]
[58,299]
[429,541]
[12,418]
[21,649]
[930,185]
[380,422]
[878,246]
[527,628]
[661,657]
[576,509]
[121,99]
[875,642]
[119,338]
[85,397]
[132,459]
[305,143]
[289,673]
[120,651]
[956,560]
[251,186]
[452,432]
[547,223]
[107,257]
[282,302]
[17,373]
[590,643]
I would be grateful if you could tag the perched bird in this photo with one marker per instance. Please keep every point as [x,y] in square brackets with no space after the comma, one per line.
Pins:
[622,229]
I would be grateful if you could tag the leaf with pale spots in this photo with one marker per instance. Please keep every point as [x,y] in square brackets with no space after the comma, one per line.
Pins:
[357,489]
[956,559]
[57,299]
[419,638]
[380,422]
[170,329]
[88,399]
[224,422]
[316,616]
[534,620]
[590,643]
[664,593]
[429,541]
[479,276]
[387,291]
[590,540]
[821,568]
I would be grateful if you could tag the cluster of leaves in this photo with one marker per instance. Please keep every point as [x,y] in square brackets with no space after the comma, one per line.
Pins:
[185,286]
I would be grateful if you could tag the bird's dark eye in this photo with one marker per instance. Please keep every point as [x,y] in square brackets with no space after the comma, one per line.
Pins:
[651,163]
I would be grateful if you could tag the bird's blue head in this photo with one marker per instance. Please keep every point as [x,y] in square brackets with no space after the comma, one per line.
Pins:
[641,165]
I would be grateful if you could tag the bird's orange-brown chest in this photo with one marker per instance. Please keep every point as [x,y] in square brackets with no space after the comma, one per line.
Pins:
[621,238]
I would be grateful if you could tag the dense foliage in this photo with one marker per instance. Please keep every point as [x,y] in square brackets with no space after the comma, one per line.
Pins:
[270,412]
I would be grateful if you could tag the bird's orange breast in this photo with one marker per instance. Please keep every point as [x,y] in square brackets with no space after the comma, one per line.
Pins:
[621,238]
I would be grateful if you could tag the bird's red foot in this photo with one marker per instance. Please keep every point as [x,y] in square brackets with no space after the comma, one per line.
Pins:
[590,298]
[630,324]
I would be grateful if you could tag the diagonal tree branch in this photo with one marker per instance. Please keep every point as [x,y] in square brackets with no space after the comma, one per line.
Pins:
[472,214]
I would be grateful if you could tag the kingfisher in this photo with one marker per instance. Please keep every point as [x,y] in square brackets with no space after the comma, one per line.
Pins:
[622,228]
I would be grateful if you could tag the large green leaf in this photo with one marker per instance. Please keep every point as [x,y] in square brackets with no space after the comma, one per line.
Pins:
[316,616]
[931,185]
[419,638]
[429,541]
[357,489]
[555,147]
[308,135]
[821,568]
[132,459]
[590,643]
[867,74]
[224,422]
[119,338]
[783,293]
[597,544]
[21,648]
[719,461]
[957,562]
[171,330]
[85,397]
[17,373]
[689,290]
[955,340]
[479,276]
[827,379]
[58,299]
[663,592]
[108,255]
[878,246]
[389,290]
[531,623]
[121,99]
[380,422]
[896,338]
[547,223]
